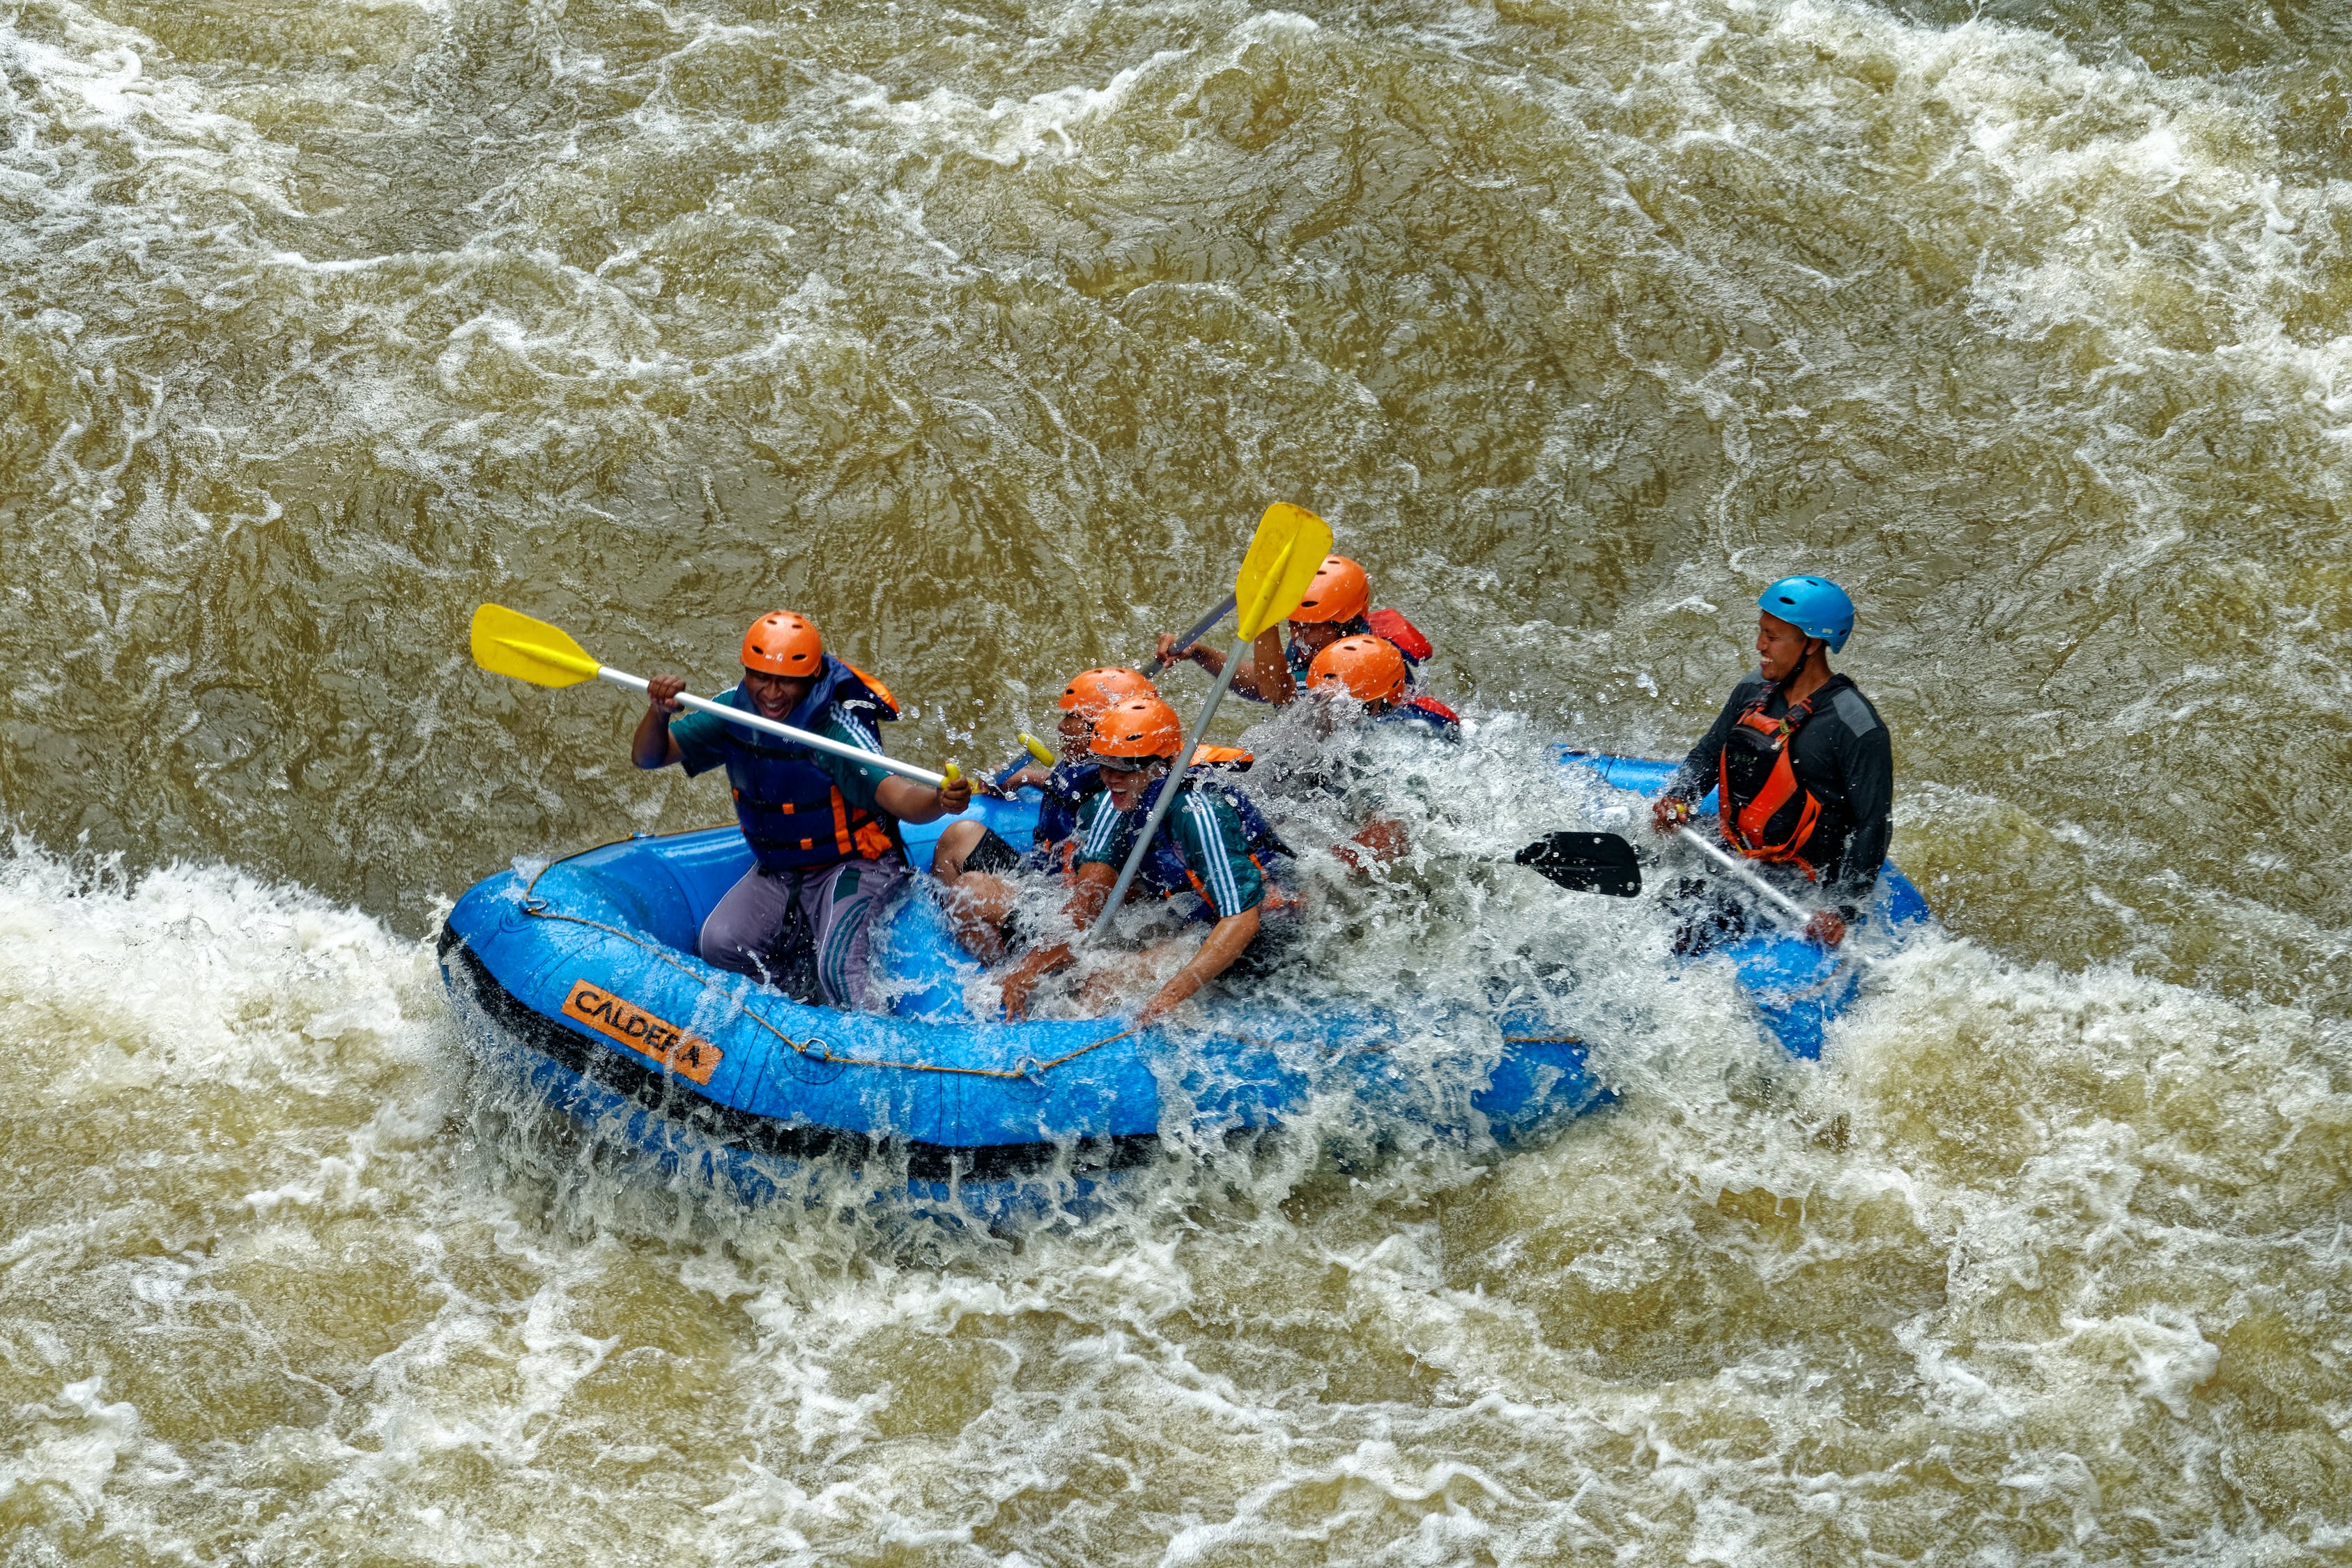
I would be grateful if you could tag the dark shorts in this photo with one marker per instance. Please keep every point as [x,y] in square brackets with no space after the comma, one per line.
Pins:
[992,855]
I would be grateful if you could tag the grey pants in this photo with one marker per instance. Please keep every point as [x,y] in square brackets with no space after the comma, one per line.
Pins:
[840,903]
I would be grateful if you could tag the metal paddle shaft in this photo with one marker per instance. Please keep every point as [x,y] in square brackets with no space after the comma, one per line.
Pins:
[1168,790]
[1798,918]
[1197,630]
[1788,906]
[507,642]
[798,737]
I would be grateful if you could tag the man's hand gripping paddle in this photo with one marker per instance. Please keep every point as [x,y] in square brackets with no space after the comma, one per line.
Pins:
[1284,556]
[509,642]
[1197,630]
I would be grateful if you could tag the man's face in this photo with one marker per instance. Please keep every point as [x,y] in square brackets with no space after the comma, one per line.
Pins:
[1126,788]
[1075,731]
[1314,636]
[1780,646]
[775,696]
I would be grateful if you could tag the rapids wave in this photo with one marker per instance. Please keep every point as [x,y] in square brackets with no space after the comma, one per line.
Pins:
[983,335]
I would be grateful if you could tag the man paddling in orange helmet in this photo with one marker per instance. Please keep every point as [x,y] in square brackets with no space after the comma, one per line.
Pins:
[824,831]
[1204,856]
[974,862]
[1337,605]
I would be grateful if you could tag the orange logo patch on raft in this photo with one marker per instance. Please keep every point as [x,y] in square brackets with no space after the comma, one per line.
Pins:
[665,1043]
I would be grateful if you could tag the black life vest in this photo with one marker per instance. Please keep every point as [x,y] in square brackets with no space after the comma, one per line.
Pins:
[1766,814]
[793,815]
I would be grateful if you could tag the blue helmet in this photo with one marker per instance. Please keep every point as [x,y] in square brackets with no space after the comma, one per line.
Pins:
[1814,606]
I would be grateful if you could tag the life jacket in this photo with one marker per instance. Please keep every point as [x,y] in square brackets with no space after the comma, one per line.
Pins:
[1164,871]
[1067,790]
[1766,814]
[1391,625]
[793,815]
[1425,713]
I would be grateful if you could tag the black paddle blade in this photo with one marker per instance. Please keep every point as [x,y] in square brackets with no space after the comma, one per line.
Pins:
[1586,863]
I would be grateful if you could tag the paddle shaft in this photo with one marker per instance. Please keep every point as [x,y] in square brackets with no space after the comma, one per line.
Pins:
[1168,793]
[799,737]
[1199,629]
[1797,916]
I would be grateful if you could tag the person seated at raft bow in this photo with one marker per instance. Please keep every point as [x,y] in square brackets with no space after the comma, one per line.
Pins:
[824,831]
[1337,605]
[1211,850]
[975,864]
[1372,672]
[1804,769]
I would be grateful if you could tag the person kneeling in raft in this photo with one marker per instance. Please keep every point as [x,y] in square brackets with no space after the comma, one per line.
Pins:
[824,831]
[1361,680]
[973,861]
[1201,849]
[1816,798]
[1337,605]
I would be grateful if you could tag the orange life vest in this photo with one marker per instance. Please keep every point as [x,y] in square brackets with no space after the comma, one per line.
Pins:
[1766,814]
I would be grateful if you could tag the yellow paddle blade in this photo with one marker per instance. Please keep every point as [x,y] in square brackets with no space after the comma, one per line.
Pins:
[507,642]
[1037,748]
[1284,556]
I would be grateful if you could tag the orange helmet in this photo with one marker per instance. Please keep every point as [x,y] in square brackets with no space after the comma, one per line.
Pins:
[782,643]
[1094,692]
[1366,668]
[1139,727]
[1340,591]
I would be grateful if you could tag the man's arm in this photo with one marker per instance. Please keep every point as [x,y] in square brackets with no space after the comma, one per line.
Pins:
[1695,776]
[920,802]
[1264,676]
[1869,768]
[1223,944]
[652,746]
[869,788]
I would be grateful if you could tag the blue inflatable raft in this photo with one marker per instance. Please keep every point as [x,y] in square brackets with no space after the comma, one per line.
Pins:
[583,983]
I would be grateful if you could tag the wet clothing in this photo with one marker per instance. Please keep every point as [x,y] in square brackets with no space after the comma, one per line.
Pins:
[804,932]
[1215,846]
[1841,755]
[1068,789]
[994,856]
[1425,713]
[801,809]
[825,855]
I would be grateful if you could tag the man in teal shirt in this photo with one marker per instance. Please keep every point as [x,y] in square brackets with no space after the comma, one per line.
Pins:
[1205,854]
[824,831]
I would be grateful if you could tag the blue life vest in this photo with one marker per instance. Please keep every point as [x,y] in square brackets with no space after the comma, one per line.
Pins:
[1067,790]
[794,816]
[1423,713]
[1164,871]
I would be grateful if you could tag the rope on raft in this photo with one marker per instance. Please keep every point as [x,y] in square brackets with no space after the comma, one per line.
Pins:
[817,1050]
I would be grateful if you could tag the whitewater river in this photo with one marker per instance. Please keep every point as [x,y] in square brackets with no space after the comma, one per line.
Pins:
[982,333]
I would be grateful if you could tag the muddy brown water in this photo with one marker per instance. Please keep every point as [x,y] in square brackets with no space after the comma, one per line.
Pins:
[981,335]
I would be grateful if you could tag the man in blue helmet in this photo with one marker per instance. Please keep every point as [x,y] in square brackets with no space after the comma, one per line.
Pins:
[1802,766]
